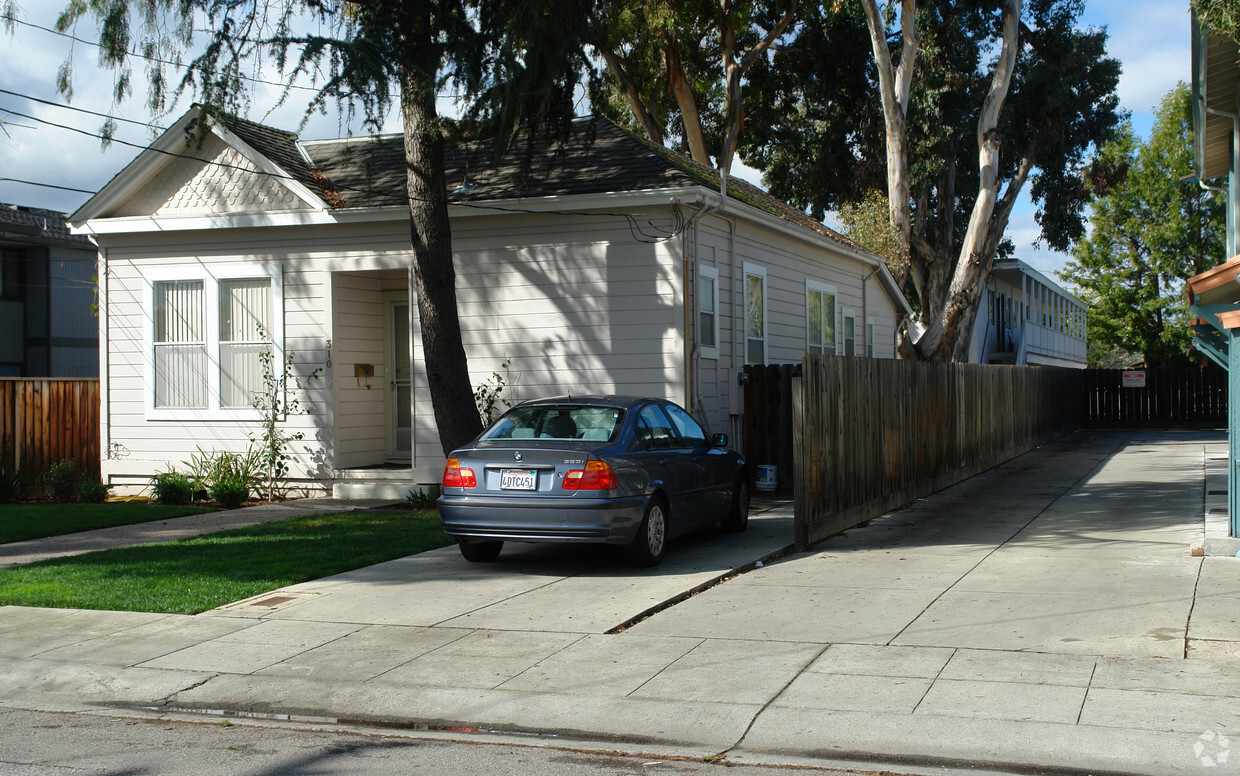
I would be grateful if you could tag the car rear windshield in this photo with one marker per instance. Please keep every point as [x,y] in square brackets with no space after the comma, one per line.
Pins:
[558,421]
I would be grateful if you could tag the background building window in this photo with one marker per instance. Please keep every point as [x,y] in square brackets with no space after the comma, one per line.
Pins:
[850,335]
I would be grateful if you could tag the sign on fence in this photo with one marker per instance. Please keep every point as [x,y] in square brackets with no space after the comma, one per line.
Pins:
[1134,378]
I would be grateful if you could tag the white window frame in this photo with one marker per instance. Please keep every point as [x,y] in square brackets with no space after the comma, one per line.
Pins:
[846,314]
[712,273]
[823,288]
[758,271]
[210,277]
[869,340]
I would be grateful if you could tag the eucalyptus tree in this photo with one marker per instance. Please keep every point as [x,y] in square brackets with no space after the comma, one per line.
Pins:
[679,66]
[516,62]
[1151,226]
[954,108]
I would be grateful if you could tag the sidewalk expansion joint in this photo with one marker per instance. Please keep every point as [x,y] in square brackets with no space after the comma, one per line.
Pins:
[770,557]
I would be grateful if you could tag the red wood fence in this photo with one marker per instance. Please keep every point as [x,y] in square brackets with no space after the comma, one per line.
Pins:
[44,420]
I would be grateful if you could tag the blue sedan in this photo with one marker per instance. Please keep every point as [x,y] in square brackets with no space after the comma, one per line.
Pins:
[610,469]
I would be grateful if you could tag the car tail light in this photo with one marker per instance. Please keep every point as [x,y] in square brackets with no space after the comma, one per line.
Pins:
[596,476]
[456,477]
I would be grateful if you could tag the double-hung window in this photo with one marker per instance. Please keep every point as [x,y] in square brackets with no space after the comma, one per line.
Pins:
[708,311]
[850,333]
[209,332]
[820,318]
[755,314]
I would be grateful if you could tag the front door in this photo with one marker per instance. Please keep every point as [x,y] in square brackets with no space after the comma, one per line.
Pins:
[398,402]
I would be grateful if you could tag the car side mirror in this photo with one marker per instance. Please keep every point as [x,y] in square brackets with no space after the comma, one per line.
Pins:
[719,440]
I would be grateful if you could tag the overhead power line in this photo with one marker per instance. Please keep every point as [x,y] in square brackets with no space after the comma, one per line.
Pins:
[46,185]
[80,110]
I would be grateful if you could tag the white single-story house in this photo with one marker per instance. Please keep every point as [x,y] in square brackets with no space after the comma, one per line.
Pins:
[602,264]
[1027,318]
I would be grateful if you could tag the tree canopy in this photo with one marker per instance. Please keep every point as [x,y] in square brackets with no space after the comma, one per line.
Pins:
[950,107]
[1149,230]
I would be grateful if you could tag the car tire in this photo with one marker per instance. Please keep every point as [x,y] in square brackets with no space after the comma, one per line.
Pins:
[648,546]
[481,552]
[738,517]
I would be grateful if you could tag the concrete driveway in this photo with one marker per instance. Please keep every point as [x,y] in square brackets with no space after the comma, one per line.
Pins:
[557,588]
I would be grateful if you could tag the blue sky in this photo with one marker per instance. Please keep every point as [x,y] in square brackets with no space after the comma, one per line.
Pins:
[1150,38]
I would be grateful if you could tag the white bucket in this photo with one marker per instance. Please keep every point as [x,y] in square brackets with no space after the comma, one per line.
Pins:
[767,478]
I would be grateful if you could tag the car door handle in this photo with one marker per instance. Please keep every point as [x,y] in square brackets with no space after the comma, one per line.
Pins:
[661,461]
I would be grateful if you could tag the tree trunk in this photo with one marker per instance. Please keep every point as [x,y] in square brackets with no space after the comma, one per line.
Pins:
[649,125]
[452,395]
[942,337]
[686,100]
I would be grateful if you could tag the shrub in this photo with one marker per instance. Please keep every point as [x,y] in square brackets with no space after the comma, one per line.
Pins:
[14,485]
[421,499]
[91,492]
[208,469]
[230,491]
[61,480]
[172,487]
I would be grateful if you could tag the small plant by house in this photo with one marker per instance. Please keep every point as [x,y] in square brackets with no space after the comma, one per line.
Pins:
[273,404]
[65,482]
[421,499]
[173,488]
[489,396]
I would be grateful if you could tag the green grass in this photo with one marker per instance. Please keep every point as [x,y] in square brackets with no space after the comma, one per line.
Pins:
[193,575]
[19,522]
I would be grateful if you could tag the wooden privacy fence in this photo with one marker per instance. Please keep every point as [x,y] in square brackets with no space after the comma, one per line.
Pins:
[46,420]
[1171,395]
[872,434]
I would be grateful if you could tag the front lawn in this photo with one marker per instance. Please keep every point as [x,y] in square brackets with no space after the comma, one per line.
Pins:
[19,522]
[193,575]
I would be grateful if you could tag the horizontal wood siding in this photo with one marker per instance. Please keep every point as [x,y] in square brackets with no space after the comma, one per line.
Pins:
[43,421]
[871,434]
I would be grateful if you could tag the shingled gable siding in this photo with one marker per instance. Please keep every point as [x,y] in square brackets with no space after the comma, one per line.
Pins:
[232,184]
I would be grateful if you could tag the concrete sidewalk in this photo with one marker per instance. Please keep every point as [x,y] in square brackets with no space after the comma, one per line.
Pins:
[1045,615]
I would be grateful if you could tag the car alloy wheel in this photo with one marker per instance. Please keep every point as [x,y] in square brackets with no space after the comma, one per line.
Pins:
[651,541]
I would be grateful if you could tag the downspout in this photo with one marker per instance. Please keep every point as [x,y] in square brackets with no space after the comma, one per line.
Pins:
[105,431]
[693,393]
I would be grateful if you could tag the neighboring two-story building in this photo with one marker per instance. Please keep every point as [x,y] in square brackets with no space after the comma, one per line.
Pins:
[47,296]
[1026,318]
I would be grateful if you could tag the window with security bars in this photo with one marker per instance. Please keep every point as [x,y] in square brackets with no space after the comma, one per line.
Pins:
[180,344]
[245,334]
[208,338]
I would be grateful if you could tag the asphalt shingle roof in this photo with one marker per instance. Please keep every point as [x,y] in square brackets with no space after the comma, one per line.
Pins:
[597,157]
[37,222]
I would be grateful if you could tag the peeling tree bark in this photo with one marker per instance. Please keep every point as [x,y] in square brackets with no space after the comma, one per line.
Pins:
[616,67]
[940,341]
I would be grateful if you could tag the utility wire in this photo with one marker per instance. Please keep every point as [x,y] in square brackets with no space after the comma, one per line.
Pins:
[45,185]
[81,110]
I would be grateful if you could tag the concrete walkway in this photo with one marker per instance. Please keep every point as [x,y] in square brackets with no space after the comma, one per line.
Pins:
[1045,615]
